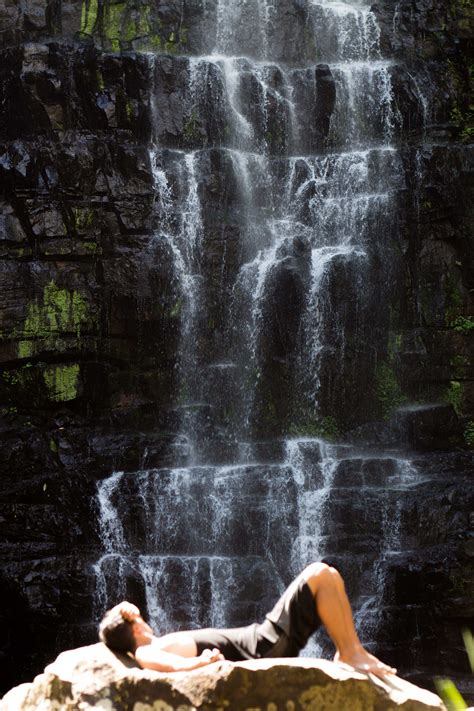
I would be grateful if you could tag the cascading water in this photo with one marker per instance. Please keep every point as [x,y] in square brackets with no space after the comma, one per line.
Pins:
[308,151]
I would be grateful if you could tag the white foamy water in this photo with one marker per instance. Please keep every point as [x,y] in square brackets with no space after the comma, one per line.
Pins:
[345,31]
[195,543]
[328,204]
[394,496]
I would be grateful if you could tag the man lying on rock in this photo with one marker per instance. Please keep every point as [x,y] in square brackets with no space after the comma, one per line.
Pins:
[316,596]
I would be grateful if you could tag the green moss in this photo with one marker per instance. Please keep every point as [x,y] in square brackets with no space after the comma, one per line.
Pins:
[453,298]
[463,324]
[53,446]
[387,389]
[100,80]
[20,385]
[169,45]
[11,377]
[140,25]
[119,23]
[275,138]
[92,247]
[469,434]
[453,291]
[25,349]
[326,427]
[462,112]
[130,31]
[394,345]
[453,395]
[113,21]
[83,218]
[175,310]
[61,311]
[463,121]
[129,110]
[89,16]
[271,411]
[62,382]
[459,364]
[191,131]
[330,428]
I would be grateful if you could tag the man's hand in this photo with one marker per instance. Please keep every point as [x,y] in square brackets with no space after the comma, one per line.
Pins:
[209,656]
[127,610]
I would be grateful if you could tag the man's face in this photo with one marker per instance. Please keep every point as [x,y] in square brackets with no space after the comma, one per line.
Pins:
[142,632]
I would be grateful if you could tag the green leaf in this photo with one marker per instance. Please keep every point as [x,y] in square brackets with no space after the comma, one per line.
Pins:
[469,644]
[450,695]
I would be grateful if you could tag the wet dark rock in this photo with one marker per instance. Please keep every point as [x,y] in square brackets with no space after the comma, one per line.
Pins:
[429,427]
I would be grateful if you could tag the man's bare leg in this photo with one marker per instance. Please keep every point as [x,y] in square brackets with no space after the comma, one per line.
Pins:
[335,613]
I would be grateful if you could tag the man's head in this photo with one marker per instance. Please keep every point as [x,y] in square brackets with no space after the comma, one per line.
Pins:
[124,631]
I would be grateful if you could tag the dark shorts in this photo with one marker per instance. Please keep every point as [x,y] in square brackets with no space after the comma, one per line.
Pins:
[284,632]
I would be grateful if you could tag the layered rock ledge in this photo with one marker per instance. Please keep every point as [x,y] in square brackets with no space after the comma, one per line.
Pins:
[95,678]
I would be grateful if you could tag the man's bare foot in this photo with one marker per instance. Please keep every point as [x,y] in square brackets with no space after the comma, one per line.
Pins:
[362,661]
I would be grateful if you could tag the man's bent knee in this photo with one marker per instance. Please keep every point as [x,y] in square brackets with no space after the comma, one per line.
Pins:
[318,574]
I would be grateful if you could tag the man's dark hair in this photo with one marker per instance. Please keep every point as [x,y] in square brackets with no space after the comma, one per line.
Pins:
[117,633]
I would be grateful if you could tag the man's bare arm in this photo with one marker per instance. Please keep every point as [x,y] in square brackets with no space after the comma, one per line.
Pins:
[152,657]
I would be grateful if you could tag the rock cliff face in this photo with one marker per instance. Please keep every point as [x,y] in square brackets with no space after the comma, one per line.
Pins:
[118,136]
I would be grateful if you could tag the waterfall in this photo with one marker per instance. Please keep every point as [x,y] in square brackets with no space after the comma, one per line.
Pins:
[308,152]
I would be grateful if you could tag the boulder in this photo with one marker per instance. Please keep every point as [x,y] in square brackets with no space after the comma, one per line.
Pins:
[93,677]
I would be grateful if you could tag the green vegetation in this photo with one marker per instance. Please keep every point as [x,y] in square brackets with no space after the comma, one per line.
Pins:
[175,311]
[117,24]
[454,299]
[113,22]
[463,120]
[100,80]
[469,434]
[32,382]
[329,428]
[387,389]
[62,382]
[454,304]
[129,110]
[275,138]
[83,218]
[463,324]
[453,395]
[459,364]
[468,640]
[89,16]
[92,247]
[462,112]
[450,695]
[191,131]
[62,311]
[446,688]
[326,427]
